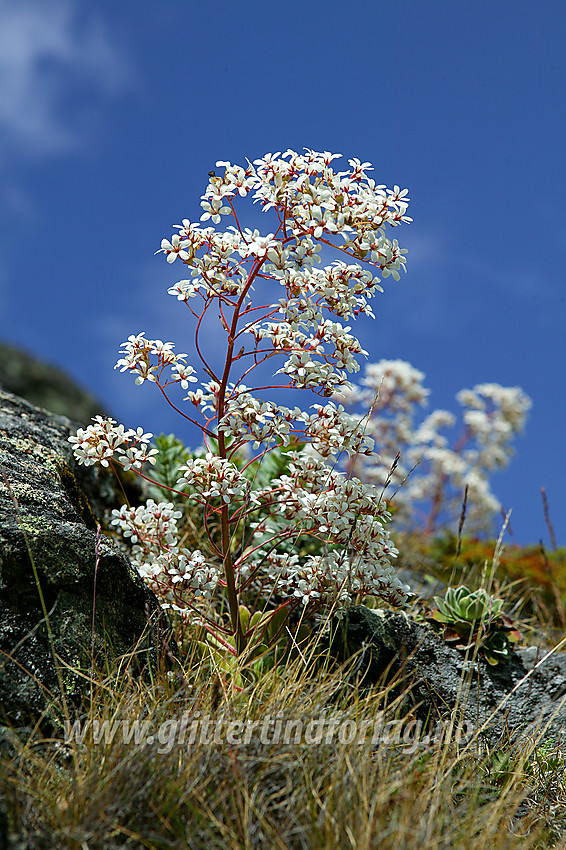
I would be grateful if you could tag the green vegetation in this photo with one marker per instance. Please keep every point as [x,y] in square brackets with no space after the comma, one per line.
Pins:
[475,619]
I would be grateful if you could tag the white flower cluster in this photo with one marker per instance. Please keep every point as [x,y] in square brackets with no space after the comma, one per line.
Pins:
[321,200]
[492,416]
[152,529]
[326,202]
[308,374]
[313,205]
[337,510]
[248,418]
[150,526]
[316,203]
[99,442]
[319,577]
[214,478]
[286,336]
[342,288]
[389,390]
[138,350]
[331,431]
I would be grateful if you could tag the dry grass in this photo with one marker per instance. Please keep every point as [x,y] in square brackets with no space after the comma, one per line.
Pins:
[306,794]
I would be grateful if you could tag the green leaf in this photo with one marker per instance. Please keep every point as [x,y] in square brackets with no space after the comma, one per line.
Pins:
[172,455]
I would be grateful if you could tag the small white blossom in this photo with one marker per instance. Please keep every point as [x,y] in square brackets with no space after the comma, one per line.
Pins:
[183,374]
[175,248]
[214,210]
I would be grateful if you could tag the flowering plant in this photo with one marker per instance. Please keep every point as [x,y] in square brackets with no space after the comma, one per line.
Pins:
[314,206]
[433,472]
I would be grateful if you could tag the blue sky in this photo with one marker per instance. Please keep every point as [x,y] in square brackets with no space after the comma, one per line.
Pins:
[111,115]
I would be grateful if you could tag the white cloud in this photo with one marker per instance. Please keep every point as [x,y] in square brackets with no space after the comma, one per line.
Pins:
[53,53]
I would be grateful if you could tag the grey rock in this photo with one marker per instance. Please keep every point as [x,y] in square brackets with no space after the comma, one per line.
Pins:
[45,385]
[49,510]
[524,695]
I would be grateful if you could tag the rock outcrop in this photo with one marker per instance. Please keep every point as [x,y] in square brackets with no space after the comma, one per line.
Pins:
[521,696]
[54,561]
[45,385]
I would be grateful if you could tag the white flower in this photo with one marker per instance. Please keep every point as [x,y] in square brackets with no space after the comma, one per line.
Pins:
[174,248]
[255,245]
[214,210]
[183,374]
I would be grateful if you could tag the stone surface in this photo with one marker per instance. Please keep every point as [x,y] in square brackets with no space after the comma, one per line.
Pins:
[437,678]
[45,385]
[49,508]
[3,829]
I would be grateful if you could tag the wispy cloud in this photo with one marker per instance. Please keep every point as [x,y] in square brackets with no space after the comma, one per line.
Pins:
[55,55]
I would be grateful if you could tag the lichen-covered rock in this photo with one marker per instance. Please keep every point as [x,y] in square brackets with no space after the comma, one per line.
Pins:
[52,550]
[512,698]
